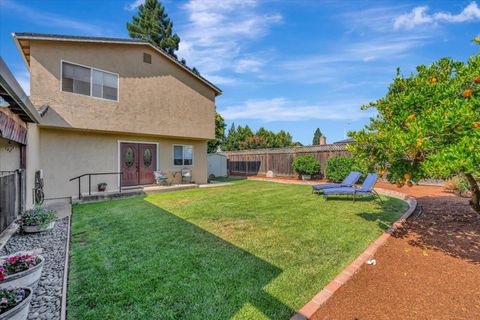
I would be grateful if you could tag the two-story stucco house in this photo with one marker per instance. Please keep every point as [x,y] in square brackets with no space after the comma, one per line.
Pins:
[113,105]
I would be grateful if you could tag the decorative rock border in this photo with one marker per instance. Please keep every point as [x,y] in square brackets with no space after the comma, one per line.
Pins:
[320,298]
[47,297]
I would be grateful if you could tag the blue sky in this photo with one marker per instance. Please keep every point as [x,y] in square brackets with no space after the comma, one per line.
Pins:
[287,64]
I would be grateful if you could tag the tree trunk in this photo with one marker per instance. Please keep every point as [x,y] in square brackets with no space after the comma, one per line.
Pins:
[475,201]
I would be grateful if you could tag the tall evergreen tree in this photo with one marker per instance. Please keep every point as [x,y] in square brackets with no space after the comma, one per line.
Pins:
[316,137]
[219,134]
[231,141]
[153,25]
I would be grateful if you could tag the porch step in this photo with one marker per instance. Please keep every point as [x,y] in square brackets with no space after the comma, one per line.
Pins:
[131,192]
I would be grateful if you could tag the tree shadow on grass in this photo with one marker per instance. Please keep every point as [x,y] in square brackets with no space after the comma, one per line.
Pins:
[447,224]
[163,267]
[384,217]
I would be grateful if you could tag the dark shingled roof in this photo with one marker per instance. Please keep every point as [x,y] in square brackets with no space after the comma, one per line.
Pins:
[25,36]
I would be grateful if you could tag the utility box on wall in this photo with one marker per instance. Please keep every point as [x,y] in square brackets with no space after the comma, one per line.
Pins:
[217,165]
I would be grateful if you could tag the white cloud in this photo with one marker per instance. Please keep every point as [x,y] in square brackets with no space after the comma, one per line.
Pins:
[217,35]
[419,16]
[134,5]
[373,56]
[248,65]
[282,109]
[50,20]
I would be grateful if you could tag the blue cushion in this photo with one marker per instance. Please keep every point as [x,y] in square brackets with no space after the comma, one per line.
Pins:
[326,186]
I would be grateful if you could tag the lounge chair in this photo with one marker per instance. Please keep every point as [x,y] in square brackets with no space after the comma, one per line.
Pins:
[349,181]
[366,189]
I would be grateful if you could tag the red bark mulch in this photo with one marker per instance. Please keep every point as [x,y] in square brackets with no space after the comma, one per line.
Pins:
[430,269]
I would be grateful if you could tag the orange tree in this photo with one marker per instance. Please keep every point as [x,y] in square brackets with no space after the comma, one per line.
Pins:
[427,126]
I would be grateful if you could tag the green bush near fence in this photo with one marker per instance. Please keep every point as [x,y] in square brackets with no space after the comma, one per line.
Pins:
[339,167]
[306,164]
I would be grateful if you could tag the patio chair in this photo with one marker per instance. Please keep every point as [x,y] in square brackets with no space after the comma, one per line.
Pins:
[366,189]
[349,181]
[160,177]
[186,175]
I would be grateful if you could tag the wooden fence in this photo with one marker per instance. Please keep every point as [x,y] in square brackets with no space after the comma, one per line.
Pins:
[9,198]
[279,161]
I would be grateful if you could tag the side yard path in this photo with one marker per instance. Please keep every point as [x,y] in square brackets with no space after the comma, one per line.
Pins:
[47,299]
[429,269]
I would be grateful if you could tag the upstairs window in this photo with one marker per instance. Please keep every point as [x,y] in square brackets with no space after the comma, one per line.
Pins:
[89,81]
[182,155]
[76,79]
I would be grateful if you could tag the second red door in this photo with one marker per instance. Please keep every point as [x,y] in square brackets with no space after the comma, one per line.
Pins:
[137,162]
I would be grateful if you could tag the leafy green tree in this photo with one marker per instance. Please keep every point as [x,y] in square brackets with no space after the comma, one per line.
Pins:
[243,138]
[219,133]
[231,141]
[153,25]
[428,125]
[316,137]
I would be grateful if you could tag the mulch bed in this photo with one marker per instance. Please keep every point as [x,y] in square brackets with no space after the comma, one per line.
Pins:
[429,269]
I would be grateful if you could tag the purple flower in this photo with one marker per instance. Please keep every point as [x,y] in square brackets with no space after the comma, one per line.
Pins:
[4,301]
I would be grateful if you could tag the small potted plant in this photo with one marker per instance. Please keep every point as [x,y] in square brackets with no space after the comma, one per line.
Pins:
[306,166]
[38,219]
[102,186]
[22,269]
[15,303]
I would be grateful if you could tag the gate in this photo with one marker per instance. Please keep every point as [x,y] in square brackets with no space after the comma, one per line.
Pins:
[10,197]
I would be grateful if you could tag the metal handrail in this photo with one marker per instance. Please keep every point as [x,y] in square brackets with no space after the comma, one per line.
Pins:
[90,181]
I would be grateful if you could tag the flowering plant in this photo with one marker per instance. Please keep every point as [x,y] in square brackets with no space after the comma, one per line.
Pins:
[11,297]
[17,262]
[38,216]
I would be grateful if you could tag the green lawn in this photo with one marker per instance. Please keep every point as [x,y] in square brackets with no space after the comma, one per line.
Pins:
[251,250]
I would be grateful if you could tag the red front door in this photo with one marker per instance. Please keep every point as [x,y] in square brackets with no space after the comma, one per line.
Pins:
[147,163]
[137,162]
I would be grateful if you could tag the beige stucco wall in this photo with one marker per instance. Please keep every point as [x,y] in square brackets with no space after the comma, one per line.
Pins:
[158,98]
[33,160]
[9,155]
[65,154]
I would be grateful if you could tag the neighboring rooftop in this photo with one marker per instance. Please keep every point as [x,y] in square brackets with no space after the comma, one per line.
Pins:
[346,141]
[13,94]
[22,39]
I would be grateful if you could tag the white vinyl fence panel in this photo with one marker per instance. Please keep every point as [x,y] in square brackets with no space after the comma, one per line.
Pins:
[217,165]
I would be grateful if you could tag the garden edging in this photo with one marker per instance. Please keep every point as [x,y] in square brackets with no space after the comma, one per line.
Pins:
[320,298]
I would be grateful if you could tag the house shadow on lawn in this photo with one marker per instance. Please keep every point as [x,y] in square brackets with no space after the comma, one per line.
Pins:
[163,267]
[447,224]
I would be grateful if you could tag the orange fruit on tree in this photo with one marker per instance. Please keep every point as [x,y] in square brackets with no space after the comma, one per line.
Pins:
[412,116]
[467,93]
[407,176]
[477,79]
[419,142]
[433,80]
[476,125]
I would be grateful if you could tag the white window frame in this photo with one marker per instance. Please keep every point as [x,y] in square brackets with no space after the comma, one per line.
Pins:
[91,81]
[183,155]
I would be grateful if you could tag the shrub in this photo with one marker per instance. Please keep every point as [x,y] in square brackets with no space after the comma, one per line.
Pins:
[457,184]
[339,167]
[306,164]
[38,216]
